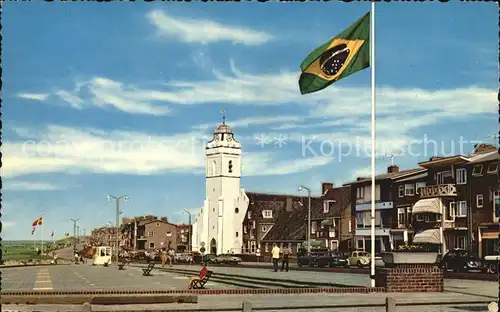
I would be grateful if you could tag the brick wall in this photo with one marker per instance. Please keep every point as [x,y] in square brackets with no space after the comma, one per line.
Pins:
[410,278]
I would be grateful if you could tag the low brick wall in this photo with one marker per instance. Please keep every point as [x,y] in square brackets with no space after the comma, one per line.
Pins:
[410,278]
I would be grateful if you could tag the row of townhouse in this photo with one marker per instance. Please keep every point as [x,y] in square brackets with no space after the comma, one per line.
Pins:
[145,233]
[448,202]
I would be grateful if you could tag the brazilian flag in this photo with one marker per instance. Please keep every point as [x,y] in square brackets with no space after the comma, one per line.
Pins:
[343,55]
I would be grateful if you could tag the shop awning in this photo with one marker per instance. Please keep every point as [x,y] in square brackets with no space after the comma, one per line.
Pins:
[432,205]
[327,222]
[489,235]
[430,236]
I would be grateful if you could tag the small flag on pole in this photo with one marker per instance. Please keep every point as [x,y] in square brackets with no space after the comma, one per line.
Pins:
[52,234]
[33,231]
[38,221]
[345,54]
[67,234]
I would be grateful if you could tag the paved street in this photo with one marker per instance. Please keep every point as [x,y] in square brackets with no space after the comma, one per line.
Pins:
[87,277]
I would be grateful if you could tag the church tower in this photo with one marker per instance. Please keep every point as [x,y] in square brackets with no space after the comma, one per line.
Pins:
[223,172]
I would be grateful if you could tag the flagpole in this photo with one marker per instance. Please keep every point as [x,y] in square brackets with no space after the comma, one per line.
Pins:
[43,221]
[372,67]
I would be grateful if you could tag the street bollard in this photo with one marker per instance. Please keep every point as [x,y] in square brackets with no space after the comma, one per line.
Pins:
[390,304]
[86,307]
[246,306]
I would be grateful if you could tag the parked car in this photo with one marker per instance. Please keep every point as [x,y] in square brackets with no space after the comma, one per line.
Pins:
[461,260]
[308,259]
[491,263]
[227,259]
[360,258]
[322,259]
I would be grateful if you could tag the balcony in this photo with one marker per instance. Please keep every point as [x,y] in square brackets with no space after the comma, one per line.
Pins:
[439,190]
[378,205]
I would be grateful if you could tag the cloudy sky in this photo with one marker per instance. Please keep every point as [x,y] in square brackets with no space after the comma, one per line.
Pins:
[121,98]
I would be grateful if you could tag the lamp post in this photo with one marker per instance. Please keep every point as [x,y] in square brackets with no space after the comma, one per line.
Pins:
[74,234]
[301,188]
[189,231]
[118,212]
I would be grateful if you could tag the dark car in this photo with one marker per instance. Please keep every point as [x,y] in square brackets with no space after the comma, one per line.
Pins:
[323,259]
[460,260]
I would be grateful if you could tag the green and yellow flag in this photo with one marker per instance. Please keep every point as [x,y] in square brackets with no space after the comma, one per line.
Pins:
[345,54]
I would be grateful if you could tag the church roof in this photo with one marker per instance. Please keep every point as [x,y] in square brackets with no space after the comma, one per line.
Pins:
[223,128]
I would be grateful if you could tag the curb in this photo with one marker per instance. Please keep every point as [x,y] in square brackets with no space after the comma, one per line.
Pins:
[31,265]
[98,299]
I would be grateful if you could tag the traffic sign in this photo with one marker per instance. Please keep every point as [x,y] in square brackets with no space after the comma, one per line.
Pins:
[202,249]
[202,244]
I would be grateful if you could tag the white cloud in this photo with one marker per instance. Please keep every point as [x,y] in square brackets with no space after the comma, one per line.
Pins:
[204,31]
[34,96]
[12,185]
[57,149]
[72,99]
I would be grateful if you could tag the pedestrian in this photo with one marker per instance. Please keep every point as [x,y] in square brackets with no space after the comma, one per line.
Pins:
[275,254]
[286,258]
[171,254]
[163,257]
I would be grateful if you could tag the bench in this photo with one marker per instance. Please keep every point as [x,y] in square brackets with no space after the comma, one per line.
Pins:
[200,283]
[147,271]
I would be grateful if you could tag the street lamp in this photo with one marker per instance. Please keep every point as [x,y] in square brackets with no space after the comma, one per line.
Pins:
[74,234]
[118,212]
[301,188]
[189,231]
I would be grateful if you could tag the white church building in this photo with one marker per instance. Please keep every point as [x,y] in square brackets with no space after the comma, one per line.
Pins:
[217,226]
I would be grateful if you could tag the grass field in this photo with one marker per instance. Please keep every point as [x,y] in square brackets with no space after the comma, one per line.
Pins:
[26,251]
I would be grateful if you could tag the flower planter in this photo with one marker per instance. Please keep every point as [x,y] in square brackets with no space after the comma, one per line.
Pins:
[393,258]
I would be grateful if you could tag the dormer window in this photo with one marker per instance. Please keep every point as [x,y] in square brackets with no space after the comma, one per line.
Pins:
[493,167]
[328,206]
[230,167]
[478,170]
[267,214]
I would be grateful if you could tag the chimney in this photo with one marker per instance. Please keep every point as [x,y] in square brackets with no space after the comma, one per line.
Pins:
[483,148]
[392,169]
[325,187]
[289,204]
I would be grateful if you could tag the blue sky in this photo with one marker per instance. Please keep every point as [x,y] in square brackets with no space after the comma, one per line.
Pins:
[120,98]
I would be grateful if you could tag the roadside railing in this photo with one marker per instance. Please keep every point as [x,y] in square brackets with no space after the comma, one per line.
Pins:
[390,305]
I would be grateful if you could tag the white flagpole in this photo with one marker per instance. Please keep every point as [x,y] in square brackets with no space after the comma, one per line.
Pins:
[372,67]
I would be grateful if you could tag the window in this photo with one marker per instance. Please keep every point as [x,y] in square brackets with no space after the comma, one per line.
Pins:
[409,189]
[214,168]
[420,217]
[314,227]
[151,233]
[401,191]
[461,209]
[266,247]
[245,230]
[452,211]
[438,218]
[236,234]
[331,234]
[254,224]
[461,177]
[350,226]
[230,166]
[401,217]
[264,229]
[268,214]
[169,234]
[479,201]
[328,206]
[236,210]
[360,193]
[493,168]
[360,243]
[418,186]
[478,170]
[249,215]
[440,176]
[152,245]
[359,219]
[462,242]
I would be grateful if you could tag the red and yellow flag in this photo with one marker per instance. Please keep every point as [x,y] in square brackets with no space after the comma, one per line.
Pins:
[37,222]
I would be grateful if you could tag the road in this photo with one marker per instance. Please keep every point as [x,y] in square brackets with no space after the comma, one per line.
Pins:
[86,277]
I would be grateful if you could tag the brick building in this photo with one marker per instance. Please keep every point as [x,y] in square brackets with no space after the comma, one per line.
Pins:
[103,236]
[148,233]
[183,237]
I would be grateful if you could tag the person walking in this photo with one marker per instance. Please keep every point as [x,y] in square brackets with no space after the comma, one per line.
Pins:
[171,254]
[286,259]
[163,257]
[275,254]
